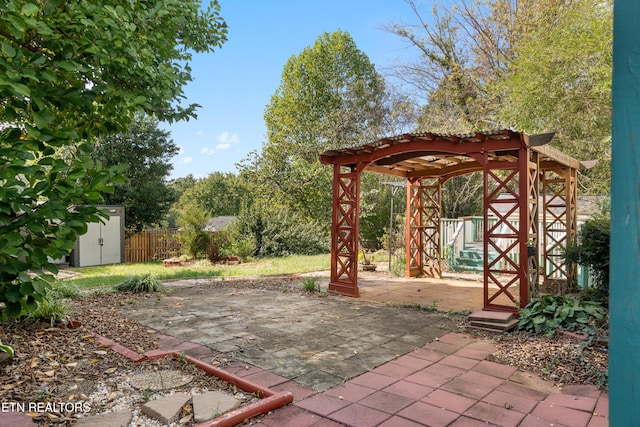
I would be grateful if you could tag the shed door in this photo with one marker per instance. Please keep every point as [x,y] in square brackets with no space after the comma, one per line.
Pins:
[89,244]
[111,241]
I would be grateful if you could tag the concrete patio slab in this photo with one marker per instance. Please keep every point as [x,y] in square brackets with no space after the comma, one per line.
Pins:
[322,340]
[350,362]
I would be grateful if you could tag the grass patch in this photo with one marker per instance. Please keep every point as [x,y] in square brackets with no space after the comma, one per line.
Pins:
[146,283]
[278,266]
[63,290]
[110,275]
[310,284]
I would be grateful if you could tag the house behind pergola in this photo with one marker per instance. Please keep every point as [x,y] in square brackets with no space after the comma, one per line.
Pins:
[516,169]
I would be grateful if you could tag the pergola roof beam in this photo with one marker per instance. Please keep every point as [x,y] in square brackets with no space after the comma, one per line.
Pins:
[502,145]
[548,153]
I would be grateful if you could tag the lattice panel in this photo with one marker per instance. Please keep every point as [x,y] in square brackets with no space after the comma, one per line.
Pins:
[423,229]
[503,272]
[533,269]
[559,194]
[572,218]
[511,196]
[344,244]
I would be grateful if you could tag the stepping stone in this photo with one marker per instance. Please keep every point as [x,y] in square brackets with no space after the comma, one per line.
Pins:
[111,419]
[495,326]
[212,404]
[166,409]
[165,379]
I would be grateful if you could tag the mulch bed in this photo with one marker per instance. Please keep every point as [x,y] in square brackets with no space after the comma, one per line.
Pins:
[68,365]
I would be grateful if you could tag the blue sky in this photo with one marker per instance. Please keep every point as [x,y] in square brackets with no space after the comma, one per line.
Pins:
[234,84]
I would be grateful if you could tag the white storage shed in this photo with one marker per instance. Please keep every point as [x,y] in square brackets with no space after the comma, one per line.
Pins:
[103,243]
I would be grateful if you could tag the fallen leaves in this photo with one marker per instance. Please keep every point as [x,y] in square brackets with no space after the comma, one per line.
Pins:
[7,387]
[557,359]
[51,362]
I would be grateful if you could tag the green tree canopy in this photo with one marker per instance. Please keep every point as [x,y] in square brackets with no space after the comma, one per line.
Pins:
[560,79]
[147,151]
[218,194]
[330,96]
[182,184]
[70,71]
[536,65]
[87,65]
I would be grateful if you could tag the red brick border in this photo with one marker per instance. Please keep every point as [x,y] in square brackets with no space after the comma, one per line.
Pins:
[269,399]
[118,348]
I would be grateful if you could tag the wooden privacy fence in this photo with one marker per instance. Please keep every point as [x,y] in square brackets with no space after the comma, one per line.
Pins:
[156,245]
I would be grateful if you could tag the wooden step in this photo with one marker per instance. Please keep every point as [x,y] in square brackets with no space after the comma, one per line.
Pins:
[495,326]
[491,316]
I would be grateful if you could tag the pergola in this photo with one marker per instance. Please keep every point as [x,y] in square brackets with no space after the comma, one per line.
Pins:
[516,169]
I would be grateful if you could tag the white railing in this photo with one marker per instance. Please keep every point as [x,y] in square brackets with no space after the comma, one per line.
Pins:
[460,233]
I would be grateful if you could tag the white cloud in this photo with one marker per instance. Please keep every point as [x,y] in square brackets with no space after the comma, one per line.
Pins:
[226,137]
[200,132]
[186,160]
[225,140]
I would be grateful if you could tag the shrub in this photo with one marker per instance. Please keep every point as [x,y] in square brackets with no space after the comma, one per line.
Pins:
[52,309]
[280,232]
[192,220]
[143,283]
[231,242]
[592,250]
[243,247]
[547,313]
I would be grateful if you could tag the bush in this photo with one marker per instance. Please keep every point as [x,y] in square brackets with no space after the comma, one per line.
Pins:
[52,309]
[144,283]
[243,247]
[231,242]
[280,232]
[192,220]
[547,313]
[592,251]
[289,234]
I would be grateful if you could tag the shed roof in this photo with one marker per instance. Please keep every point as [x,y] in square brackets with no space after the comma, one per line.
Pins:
[218,223]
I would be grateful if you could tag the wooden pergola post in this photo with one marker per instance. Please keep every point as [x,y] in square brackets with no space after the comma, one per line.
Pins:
[423,228]
[560,218]
[344,230]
